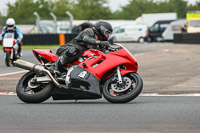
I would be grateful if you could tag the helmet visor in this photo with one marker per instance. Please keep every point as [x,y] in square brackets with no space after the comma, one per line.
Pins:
[105,32]
[10,26]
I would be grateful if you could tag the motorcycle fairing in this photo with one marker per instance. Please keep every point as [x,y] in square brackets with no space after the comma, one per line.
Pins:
[100,65]
[84,85]
[46,53]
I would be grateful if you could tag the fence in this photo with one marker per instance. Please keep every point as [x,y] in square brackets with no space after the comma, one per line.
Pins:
[47,39]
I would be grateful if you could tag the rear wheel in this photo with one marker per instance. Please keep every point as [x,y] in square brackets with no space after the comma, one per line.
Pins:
[8,58]
[30,92]
[129,90]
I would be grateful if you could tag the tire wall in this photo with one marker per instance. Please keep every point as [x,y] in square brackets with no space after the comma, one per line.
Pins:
[47,39]
[189,38]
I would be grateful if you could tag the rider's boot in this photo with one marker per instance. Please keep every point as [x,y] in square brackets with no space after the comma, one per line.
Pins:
[55,68]
[19,54]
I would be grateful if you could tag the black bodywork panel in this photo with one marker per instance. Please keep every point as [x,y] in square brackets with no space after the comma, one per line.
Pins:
[84,85]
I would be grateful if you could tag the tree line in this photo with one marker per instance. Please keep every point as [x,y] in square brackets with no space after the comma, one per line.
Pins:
[22,10]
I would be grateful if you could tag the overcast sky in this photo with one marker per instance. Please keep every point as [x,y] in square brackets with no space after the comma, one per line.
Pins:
[114,4]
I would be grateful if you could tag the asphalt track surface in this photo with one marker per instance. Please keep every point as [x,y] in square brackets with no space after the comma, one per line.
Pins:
[143,115]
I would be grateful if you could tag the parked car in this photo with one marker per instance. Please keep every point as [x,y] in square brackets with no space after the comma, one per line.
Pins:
[126,33]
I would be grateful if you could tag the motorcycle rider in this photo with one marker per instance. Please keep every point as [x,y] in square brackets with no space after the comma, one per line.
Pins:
[11,28]
[90,38]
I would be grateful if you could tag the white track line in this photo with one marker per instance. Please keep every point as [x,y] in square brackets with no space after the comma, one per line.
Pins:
[7,93]
[6,74]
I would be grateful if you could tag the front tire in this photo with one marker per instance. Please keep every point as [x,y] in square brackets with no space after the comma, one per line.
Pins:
[8,58]
[133,85]
[37,94]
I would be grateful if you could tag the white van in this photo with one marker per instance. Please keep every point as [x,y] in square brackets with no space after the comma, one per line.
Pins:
[174,27]
[136,33]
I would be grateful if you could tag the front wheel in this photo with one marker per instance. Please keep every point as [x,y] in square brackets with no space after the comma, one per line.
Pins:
[122,93]
[8,58]
[30,92]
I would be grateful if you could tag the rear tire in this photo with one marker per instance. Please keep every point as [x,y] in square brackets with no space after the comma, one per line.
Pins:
[8,59]
[134,83]
[40,93]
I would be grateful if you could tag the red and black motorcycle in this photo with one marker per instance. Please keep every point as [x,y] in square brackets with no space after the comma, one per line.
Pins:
[111,73]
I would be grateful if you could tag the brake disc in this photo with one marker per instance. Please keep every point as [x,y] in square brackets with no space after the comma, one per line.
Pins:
[126,85]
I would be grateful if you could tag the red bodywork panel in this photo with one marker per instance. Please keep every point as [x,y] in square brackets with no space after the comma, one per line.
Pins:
[91,53]
[8,49]
[97,62]
[88,54]
[109,61]
[46,53]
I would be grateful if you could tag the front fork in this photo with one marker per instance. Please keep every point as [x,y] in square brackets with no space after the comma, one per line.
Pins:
[119,76]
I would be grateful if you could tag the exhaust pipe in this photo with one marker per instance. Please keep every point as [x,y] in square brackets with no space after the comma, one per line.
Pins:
[35,68]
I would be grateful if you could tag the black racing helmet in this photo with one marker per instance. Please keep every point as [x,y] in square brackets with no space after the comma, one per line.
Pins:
[104,28]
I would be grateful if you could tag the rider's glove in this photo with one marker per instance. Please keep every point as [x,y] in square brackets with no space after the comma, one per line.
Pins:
[105,44]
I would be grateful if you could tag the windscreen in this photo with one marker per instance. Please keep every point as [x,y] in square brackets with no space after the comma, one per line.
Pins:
[194,23]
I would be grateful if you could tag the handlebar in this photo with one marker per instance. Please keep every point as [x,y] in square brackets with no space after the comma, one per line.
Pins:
[109,49]
[112,49]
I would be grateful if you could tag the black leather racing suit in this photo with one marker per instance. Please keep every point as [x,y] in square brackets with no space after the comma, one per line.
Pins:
[72,50]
